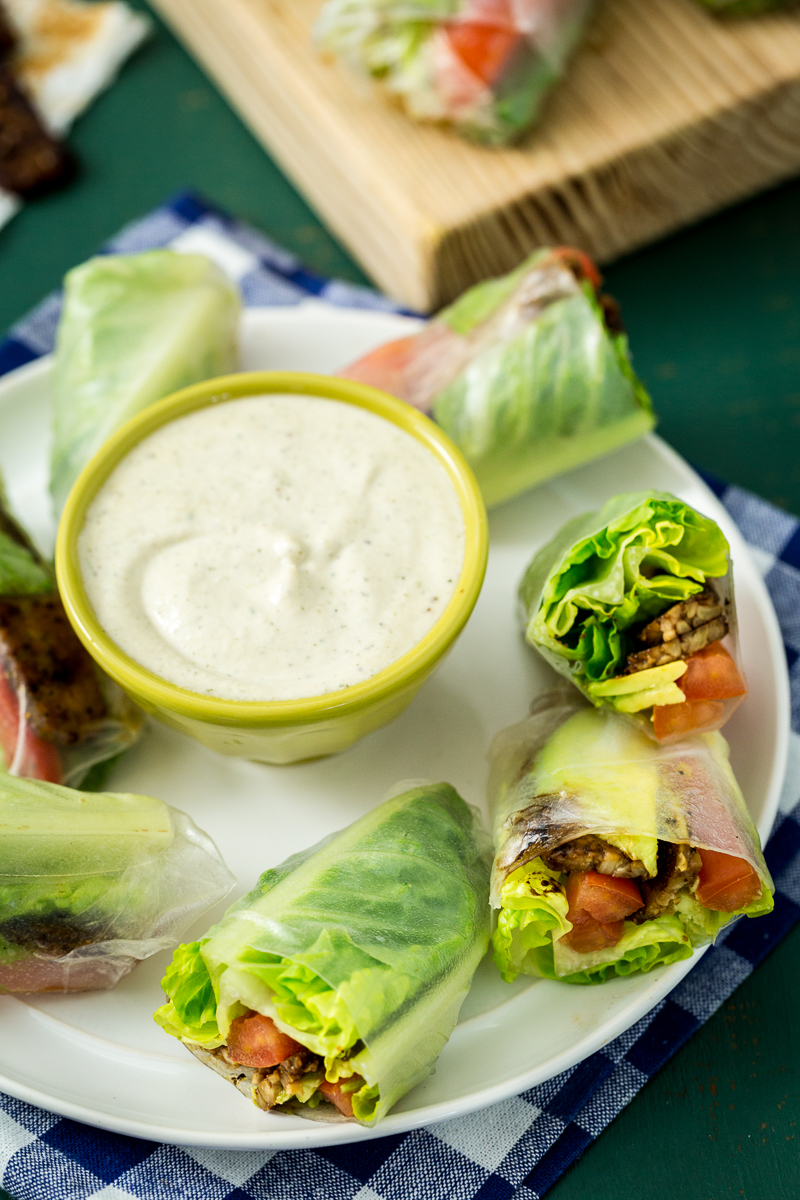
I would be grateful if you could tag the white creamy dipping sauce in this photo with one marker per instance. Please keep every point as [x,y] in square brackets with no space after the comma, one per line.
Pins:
[272,547]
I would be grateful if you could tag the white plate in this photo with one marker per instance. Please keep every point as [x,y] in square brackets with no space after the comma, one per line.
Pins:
[100,1058]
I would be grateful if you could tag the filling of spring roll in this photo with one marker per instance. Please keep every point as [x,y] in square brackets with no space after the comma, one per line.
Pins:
[306,1053]
[638,608]
[624,856]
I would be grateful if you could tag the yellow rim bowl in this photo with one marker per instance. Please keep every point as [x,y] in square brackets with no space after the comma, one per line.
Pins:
[157,694]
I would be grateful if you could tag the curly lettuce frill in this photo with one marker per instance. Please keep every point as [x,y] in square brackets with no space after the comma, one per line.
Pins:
[607,571]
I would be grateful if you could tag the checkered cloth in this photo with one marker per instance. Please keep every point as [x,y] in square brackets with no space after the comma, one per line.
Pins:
[517,1148]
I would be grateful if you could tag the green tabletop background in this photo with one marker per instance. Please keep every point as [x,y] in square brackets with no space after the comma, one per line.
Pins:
[714,320]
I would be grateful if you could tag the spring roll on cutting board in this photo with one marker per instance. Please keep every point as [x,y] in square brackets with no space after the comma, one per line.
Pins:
[613,854]
[331,988]
[635,605]
[529,374]
[484,67]
[93,882]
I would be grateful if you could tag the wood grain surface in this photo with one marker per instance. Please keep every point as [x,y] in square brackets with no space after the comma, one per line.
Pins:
[667,114]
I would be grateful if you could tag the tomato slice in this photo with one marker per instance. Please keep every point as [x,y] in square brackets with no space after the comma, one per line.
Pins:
[580,263]
[671,719]
[36,759]
[727,883]
[598,905]
[711,674]
[384,367]
[602,896]
[342,1100]
[484,49]
[587,934]
[255,1041]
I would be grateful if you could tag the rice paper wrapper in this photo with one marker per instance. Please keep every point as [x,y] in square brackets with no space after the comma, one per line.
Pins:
[569,770]
[435,56]
[625,564]
[91,883]
[391,913]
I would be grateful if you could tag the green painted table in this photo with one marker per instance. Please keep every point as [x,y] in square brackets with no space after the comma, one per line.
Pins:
[714,320]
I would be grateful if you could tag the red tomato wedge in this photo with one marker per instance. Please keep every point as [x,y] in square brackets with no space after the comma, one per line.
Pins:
[384,367]
[598,905]
[484,49]
[256,1041]
[727,883]
[671,719]
[36,759]
[579,262]
[587,934]
[711,674]
[342,1100]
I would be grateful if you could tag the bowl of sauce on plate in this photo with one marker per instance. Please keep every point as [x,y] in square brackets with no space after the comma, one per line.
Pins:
[273,562]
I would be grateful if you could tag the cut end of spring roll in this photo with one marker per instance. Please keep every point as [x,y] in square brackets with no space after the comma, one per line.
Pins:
[529,374]
[331,988]
[634,604]
[92,882]
[614,855]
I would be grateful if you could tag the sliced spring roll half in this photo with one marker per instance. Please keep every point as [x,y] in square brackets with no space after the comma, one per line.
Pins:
[529,374]
[134,327]
[613,854]
[483,66]
[93,882]
[635,605]
[60,715]
[331,988]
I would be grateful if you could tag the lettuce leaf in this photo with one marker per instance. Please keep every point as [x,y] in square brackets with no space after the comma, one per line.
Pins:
[191,1011]
[609,570]
[134,328]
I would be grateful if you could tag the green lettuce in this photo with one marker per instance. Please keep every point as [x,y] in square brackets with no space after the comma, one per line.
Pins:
[559,391]
[608,571]
[134,328]
[371,937]
[23,572]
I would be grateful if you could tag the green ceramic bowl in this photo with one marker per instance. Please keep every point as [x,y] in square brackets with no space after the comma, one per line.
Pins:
[277,731]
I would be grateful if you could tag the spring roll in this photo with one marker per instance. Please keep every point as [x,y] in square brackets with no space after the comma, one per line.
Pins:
[634,604]
[613,854]
[93,882]
[529,374]
[134,327]
[331,988]
[484,67]
[60,715]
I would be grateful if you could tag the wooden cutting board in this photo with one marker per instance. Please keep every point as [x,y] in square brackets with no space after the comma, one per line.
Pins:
[666,115]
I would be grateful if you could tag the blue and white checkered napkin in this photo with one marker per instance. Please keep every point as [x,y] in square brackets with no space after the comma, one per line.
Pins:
[517,1148]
